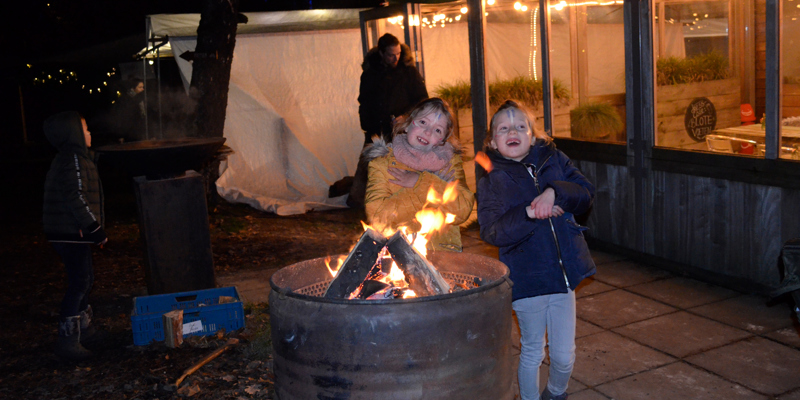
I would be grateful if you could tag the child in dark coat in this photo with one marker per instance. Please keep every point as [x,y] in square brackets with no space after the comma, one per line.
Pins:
[73,221]
[525,206]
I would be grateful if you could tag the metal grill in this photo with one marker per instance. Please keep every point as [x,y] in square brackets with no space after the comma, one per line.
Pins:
[452,278]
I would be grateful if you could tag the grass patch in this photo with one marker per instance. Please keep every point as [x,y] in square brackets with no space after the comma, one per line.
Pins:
[232,224]
[260,346]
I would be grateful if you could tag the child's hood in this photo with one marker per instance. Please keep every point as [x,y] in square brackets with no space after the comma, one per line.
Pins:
[538,154]
[65,132]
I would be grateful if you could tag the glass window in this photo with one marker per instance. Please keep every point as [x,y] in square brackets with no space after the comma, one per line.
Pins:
[790,67]
[590,39]
[587,50]
[706,86]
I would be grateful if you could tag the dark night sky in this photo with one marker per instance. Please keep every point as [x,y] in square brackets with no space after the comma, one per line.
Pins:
[37,30]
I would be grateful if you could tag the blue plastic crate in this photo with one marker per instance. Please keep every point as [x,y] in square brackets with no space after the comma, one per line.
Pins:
[200,305]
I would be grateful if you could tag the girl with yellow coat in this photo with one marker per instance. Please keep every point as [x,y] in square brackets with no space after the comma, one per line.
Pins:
[423,154]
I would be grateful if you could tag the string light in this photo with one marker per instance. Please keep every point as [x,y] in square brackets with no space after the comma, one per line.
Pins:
[534,45]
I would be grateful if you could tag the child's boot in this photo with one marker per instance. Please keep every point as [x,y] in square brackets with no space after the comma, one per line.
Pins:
[68,345]
[87,329]
[546,395]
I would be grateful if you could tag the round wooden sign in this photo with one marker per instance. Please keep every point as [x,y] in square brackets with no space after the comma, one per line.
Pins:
[700,118]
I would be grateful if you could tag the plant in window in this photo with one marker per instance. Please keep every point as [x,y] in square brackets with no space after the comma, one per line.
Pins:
[596,121]
[705,67]
[526,90]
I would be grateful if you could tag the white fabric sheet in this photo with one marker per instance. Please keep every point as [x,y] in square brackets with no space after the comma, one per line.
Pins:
[292,118]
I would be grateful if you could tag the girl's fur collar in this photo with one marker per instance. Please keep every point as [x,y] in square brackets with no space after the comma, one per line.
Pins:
[433,161]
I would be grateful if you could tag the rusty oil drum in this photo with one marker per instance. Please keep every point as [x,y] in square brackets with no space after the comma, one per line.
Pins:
[453,346]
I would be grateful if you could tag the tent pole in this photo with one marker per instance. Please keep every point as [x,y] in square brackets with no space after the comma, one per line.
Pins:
[158,74]
[144,75]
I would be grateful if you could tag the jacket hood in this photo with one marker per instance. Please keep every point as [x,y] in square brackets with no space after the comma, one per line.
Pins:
[539,152]
[377,149]
[65,132]
[374,60]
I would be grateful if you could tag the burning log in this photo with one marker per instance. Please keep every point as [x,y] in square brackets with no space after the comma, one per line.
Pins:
[371,287]
[357,266]
[421,276]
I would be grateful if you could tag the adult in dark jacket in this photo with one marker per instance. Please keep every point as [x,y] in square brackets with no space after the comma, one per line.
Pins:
[73,221]
[390,86]
[526,205]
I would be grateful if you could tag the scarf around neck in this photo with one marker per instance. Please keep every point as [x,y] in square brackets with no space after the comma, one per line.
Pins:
[430,161]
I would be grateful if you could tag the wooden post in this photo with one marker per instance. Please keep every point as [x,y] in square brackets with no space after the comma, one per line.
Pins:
[421,276]
[479,88]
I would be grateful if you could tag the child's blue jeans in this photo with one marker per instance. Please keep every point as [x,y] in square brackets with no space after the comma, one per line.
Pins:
[77,258]
[555,315]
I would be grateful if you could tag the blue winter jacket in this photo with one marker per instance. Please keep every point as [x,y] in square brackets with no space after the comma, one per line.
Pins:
[544,255]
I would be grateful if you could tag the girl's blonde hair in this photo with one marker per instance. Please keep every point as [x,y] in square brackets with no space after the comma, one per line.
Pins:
[537,133]
[423,108]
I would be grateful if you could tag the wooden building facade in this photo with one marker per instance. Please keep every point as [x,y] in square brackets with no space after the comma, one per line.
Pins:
[719,216]
[704,179]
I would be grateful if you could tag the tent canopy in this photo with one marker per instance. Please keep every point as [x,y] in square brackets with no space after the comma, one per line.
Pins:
[292,112]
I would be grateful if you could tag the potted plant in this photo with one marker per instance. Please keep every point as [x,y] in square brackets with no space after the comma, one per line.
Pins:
[526,90]
[596,121]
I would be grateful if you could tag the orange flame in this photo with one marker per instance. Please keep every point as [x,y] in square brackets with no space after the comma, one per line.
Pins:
[430,220]
[396,274]
[483,160]
[340,261]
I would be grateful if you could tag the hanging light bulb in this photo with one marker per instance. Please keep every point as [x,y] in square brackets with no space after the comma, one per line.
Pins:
[464,10]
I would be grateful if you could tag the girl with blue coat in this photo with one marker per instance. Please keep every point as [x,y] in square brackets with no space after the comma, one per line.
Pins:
[526,207]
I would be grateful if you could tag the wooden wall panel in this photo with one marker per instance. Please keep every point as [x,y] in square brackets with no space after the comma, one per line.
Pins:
[729,228]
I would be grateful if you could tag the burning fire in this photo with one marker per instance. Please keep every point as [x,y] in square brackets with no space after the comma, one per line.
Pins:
[431,219]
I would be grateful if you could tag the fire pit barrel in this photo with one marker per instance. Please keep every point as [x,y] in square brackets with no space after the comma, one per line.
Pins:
[450,346]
